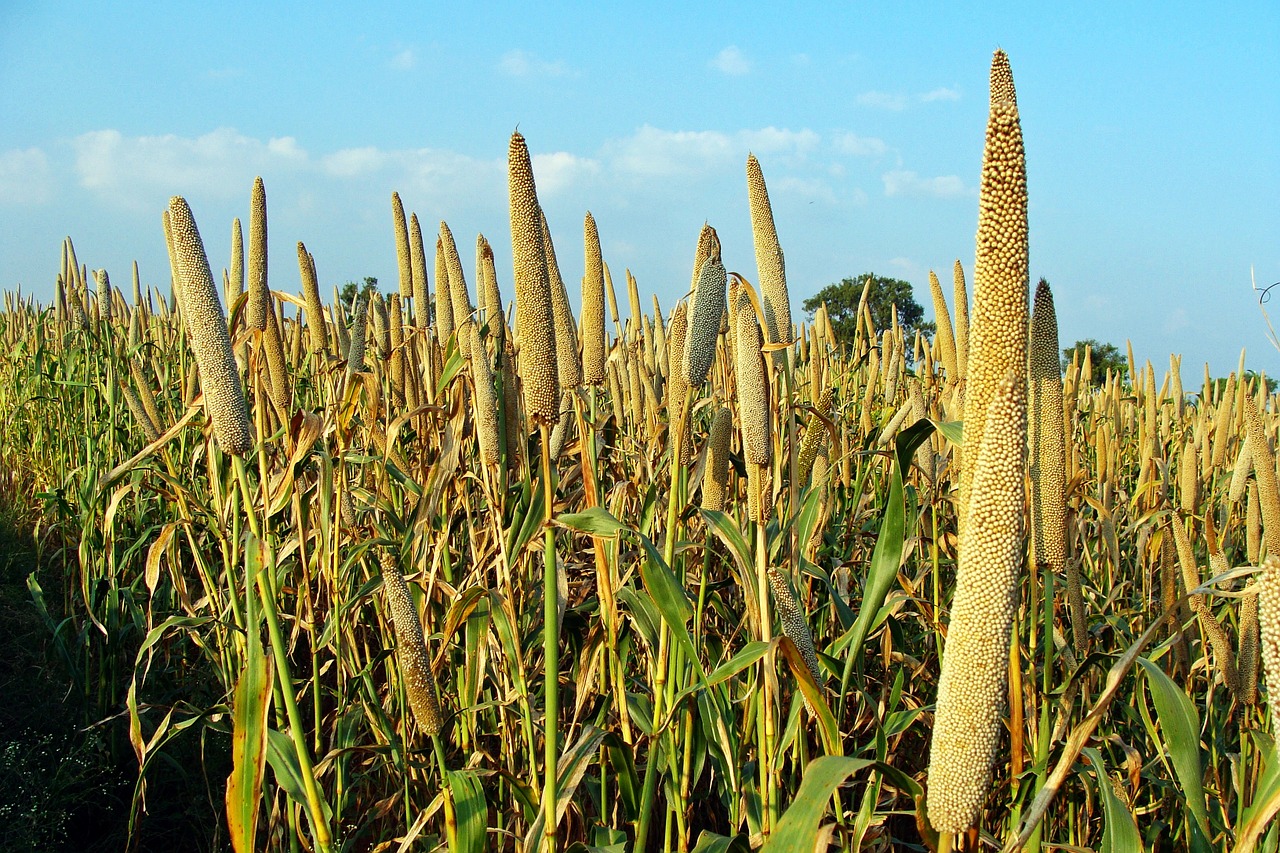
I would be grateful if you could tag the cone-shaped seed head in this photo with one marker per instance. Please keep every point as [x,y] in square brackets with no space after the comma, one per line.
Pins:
[769,261]
[444,298]
[999,331]
[961,301]
[259,295]
[942,317]
[411,648]
[753,387]
[418,264]
[704,319]
[535,322]
[975,663]
[207,327]
[1047,437]
[1269,629]
[715,482]
[567,358]
[311,295]
[403,260]
[593,341]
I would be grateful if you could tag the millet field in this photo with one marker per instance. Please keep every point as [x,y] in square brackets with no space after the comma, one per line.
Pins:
[426,571]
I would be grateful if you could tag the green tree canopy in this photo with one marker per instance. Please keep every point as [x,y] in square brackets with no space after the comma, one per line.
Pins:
[350,289]
[842,305]
[1103,356]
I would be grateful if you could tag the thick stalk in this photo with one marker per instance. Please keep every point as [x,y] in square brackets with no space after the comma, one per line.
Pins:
[768,778]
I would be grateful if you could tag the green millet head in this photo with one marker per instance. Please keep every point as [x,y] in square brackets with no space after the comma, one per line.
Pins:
[704,318]
[535,321]
[207,327]
[715,482]
[411,647]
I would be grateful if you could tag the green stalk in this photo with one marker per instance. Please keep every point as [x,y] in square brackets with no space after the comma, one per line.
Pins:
[550,653]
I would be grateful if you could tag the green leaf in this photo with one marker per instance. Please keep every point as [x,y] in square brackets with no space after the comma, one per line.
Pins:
[827,727]
[710,842]
[471,809]
[282,755]
[570,769]
[248,748]
[799,825]
[952,431]
[595,520]
[1119,831]
[1256,819]
[1180,725]
[671,599]
[450,370]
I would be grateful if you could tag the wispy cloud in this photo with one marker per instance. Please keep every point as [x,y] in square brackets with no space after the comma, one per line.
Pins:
[859,146]
[908,184]
[25,177]
[522,63]
[404,60]
[942,93]
[731,61]
[899,101]
[883,101]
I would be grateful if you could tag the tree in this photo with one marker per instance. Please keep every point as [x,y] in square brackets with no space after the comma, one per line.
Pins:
[350,289]
[1102,356]
[842,305]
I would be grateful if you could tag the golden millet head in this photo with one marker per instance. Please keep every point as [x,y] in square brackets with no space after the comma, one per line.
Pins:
[207,327]
[535,321]
[593,338]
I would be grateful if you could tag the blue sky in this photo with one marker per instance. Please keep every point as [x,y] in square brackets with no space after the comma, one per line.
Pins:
[1152,136]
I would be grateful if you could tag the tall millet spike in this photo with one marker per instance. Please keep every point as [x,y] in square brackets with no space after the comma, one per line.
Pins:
[706,310]
[568,361]
[207,327]
[487,288]
[946,339]
[236,278]
[594,348]
[418,265]
[975,663]
[960,298]
[1264,468]
[715,482]
[1269,628]
[998,335]
[311,295]
[535,322]
[459,295]
[404,261]
[444,296]
[769,261]
[1046,435]
[259,295]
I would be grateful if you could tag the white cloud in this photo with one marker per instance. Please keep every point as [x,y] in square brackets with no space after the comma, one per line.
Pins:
[859,146]
[521,63]
[650,152]
[560,170]
[25,177]
[731,61]
[942,93]
[354,162]
[780,139]
[883,101]
[902,183]
[135,171]
[404,60]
